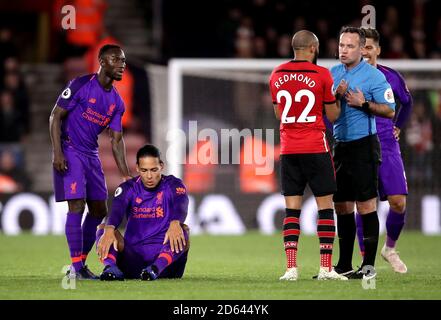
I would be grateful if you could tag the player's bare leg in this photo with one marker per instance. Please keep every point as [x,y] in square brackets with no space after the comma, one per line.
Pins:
[394,225]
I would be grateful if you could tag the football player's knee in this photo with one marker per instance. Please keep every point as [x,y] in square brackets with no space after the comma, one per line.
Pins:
[187,231]
[76,205]
[98,211]
[120,240]
[186,228]
[343,208]
[398,205]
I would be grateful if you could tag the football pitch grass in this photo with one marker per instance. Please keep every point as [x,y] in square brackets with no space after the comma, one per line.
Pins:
[219,267]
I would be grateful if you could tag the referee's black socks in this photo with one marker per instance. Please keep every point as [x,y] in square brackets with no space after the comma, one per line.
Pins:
[371,230]
[346,236]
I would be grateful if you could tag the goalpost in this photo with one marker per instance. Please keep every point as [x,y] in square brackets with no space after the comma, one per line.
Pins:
[233,93]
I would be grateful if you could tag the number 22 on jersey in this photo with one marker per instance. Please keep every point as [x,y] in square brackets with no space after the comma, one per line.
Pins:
[303,118]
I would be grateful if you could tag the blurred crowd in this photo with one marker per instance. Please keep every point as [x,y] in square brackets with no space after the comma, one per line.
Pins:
[263,28]
[240,29]
[14,117]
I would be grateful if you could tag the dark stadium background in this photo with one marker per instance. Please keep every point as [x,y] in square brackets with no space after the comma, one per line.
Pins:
[38,57]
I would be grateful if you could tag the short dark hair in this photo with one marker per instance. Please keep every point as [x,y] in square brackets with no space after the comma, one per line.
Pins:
[356,30]
[107,47]
[148,150]
[373,34]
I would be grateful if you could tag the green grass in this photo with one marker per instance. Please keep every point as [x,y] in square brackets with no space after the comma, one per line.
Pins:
[221,267]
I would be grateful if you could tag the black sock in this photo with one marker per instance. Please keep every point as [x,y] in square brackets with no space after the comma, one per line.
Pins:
[346,237]
[326,234]
[291,232]
[291,228]
[371,229]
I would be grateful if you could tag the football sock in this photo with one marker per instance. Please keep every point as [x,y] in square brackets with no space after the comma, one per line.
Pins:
[326,234]
[291,232]
[371,229]
[74,238]
[112,255]
[394,225]
[89,229]
[164,259]
[360,232]
[346,237]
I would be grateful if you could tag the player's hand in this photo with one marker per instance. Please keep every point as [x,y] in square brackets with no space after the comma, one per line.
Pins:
[107,239]
[342,88]
[355,98]
[175,235]
[397,133]
[59,162]
[125,178]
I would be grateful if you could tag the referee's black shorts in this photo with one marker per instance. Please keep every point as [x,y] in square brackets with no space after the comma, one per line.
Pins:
[316,169]
[356,165]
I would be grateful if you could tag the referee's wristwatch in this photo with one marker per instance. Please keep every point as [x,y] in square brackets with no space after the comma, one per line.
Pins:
[365,107]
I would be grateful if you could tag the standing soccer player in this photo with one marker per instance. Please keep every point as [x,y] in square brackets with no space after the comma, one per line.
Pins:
[155,243]
[392,178]
[301,90]
[357,153]
[84,109]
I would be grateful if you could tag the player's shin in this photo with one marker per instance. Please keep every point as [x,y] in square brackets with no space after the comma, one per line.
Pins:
[326,234]
[291,232]
[359,223]
[346,237]
[88,230]
[371,229]
[112,255]
[166,257]
[74,238]
[394,225]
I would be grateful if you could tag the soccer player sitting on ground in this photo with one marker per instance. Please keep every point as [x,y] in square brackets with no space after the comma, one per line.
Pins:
[392,178]
[156,242]
[301,90]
